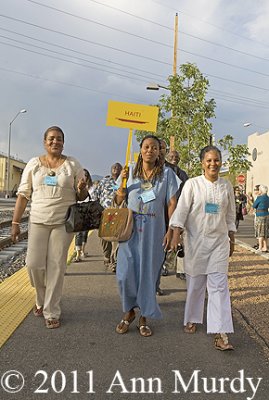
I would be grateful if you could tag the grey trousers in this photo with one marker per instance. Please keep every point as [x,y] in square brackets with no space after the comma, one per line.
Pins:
[46,263]
[110,251]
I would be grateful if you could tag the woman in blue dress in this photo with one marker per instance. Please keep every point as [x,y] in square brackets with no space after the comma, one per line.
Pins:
[150,188]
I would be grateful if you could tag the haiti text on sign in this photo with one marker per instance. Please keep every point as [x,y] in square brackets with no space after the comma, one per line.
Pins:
[132,116]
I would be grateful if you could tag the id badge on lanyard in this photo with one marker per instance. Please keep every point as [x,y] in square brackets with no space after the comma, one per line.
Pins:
[148,195]
[211,208]
[50,180]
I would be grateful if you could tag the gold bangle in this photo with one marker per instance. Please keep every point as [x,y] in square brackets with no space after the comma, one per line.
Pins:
[15,223]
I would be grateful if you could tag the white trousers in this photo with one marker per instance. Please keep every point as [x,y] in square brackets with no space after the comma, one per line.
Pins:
[46,263]
[219,313]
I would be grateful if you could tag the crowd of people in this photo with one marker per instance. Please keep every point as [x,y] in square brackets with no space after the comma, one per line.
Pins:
[172,215]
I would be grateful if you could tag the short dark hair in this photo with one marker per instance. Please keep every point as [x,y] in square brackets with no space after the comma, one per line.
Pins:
[53,128]
[207,149]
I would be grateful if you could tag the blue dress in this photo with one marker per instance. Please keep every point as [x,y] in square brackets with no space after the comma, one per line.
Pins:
[141,257]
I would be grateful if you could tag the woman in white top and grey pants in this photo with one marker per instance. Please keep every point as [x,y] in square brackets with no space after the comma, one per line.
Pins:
[53,182]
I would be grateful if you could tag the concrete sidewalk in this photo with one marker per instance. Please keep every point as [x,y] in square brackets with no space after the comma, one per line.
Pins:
[91,357]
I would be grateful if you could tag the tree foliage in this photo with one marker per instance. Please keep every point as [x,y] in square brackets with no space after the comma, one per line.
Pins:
[236,161]
[185,113]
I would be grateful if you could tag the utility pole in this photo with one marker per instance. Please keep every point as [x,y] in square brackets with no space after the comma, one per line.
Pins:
[172,138]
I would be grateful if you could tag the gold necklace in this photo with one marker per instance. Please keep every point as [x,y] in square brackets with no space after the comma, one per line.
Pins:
[51,172]
[146,185]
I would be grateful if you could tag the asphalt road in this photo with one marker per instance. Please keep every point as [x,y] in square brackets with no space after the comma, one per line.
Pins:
[86,358]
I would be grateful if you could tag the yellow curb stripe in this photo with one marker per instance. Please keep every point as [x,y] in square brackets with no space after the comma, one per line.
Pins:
[17,298]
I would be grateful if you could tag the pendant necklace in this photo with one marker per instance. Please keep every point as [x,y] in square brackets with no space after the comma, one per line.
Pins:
[146,185]
[51,172]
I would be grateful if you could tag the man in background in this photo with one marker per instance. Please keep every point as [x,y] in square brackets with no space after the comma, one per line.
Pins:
[104,192]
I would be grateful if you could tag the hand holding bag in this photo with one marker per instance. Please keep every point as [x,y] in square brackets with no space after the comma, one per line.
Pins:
[116,224]
[83,216]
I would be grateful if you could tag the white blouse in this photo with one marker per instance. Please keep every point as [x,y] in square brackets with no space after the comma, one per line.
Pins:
[206,211]
[49,203]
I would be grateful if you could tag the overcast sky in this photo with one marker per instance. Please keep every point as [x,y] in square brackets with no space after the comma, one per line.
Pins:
[63,60]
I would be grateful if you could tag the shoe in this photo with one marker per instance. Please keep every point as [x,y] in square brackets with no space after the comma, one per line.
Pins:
[190,328]
[164,271]
[77,259]
[221,342]
[256,246]
[159,292]
[182,276]
[84,255]
[113,269]
[52,323]
[144,329]
[38,312]
[124,324]
[106,262]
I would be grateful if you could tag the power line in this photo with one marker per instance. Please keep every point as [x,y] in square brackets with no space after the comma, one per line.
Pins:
[76,63]
[184,33]
[209,23]
[62,83]
[76,51]
[120,50]
[83,40]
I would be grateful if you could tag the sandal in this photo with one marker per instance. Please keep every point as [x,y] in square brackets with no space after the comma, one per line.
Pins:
[38,311]
[144,329]
[190,328]
[124,324]
[52,323]
[221,342]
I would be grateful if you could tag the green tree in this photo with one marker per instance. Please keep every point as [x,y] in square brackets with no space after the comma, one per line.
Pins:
[190,112]
[236,161]
[185,113]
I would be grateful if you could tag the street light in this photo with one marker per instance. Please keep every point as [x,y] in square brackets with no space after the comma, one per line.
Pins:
[156,86]
[8,153]
[247,124]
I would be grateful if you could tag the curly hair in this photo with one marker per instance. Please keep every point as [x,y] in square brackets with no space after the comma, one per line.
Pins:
[158,168]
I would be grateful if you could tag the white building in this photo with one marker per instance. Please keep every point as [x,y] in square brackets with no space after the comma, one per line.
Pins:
[258,145]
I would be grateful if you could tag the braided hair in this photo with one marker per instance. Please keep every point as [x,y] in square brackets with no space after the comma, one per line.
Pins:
[158,169]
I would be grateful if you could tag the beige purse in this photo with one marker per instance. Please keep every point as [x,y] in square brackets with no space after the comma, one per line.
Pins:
[116,224]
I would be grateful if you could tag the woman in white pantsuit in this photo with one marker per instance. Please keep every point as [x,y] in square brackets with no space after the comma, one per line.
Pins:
[206,213]
[53,182]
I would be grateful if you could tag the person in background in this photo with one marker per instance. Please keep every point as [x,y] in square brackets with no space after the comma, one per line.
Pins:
[150,189]
[104,192]
[53,182]
[256,191]
[174,158]
[82,237]
[239,201]
[250,201]
[171,261]
[206,214]
[261,205]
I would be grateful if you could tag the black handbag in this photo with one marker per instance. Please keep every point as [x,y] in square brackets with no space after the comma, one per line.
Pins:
[83,216]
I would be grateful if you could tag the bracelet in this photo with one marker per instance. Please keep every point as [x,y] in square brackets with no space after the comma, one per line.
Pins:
[15,223]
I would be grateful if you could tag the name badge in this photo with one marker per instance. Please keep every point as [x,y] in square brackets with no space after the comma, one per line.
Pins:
[211,208]
[147,196]
[50,180]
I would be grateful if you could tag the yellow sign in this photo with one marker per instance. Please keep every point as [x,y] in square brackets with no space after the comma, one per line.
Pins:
[132,116]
